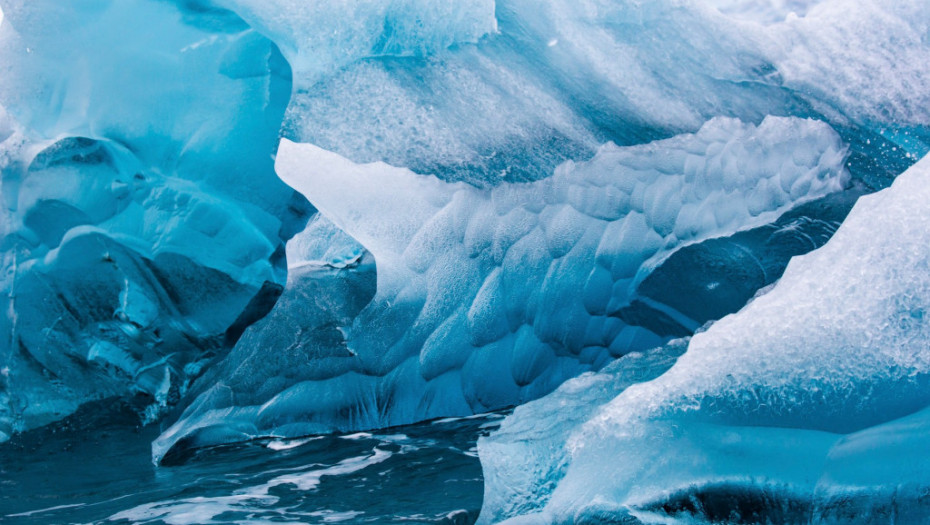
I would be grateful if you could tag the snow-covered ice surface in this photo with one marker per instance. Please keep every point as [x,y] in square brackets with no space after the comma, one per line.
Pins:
[553,80]
[809,405]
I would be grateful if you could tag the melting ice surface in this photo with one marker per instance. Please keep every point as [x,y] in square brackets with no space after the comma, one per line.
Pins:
[809,405]
[490,297]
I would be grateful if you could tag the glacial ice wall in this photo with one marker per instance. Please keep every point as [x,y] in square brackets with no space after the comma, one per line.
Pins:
[490,297]
[809,405]
[142,221]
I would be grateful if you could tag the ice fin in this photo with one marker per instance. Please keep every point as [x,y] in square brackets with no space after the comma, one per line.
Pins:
[381,206]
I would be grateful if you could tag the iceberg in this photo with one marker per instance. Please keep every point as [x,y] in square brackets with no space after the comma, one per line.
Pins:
[490,297]
[144,227]
[810,405]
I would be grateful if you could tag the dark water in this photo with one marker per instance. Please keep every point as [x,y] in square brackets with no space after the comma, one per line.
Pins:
[425,473]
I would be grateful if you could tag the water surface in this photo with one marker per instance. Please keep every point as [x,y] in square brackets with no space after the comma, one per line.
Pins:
[81,473]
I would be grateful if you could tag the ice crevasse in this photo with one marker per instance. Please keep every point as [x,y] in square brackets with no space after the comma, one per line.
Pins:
[490,297]
[810,405]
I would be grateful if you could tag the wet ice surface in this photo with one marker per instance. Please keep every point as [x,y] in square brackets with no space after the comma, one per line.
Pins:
[425,473]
